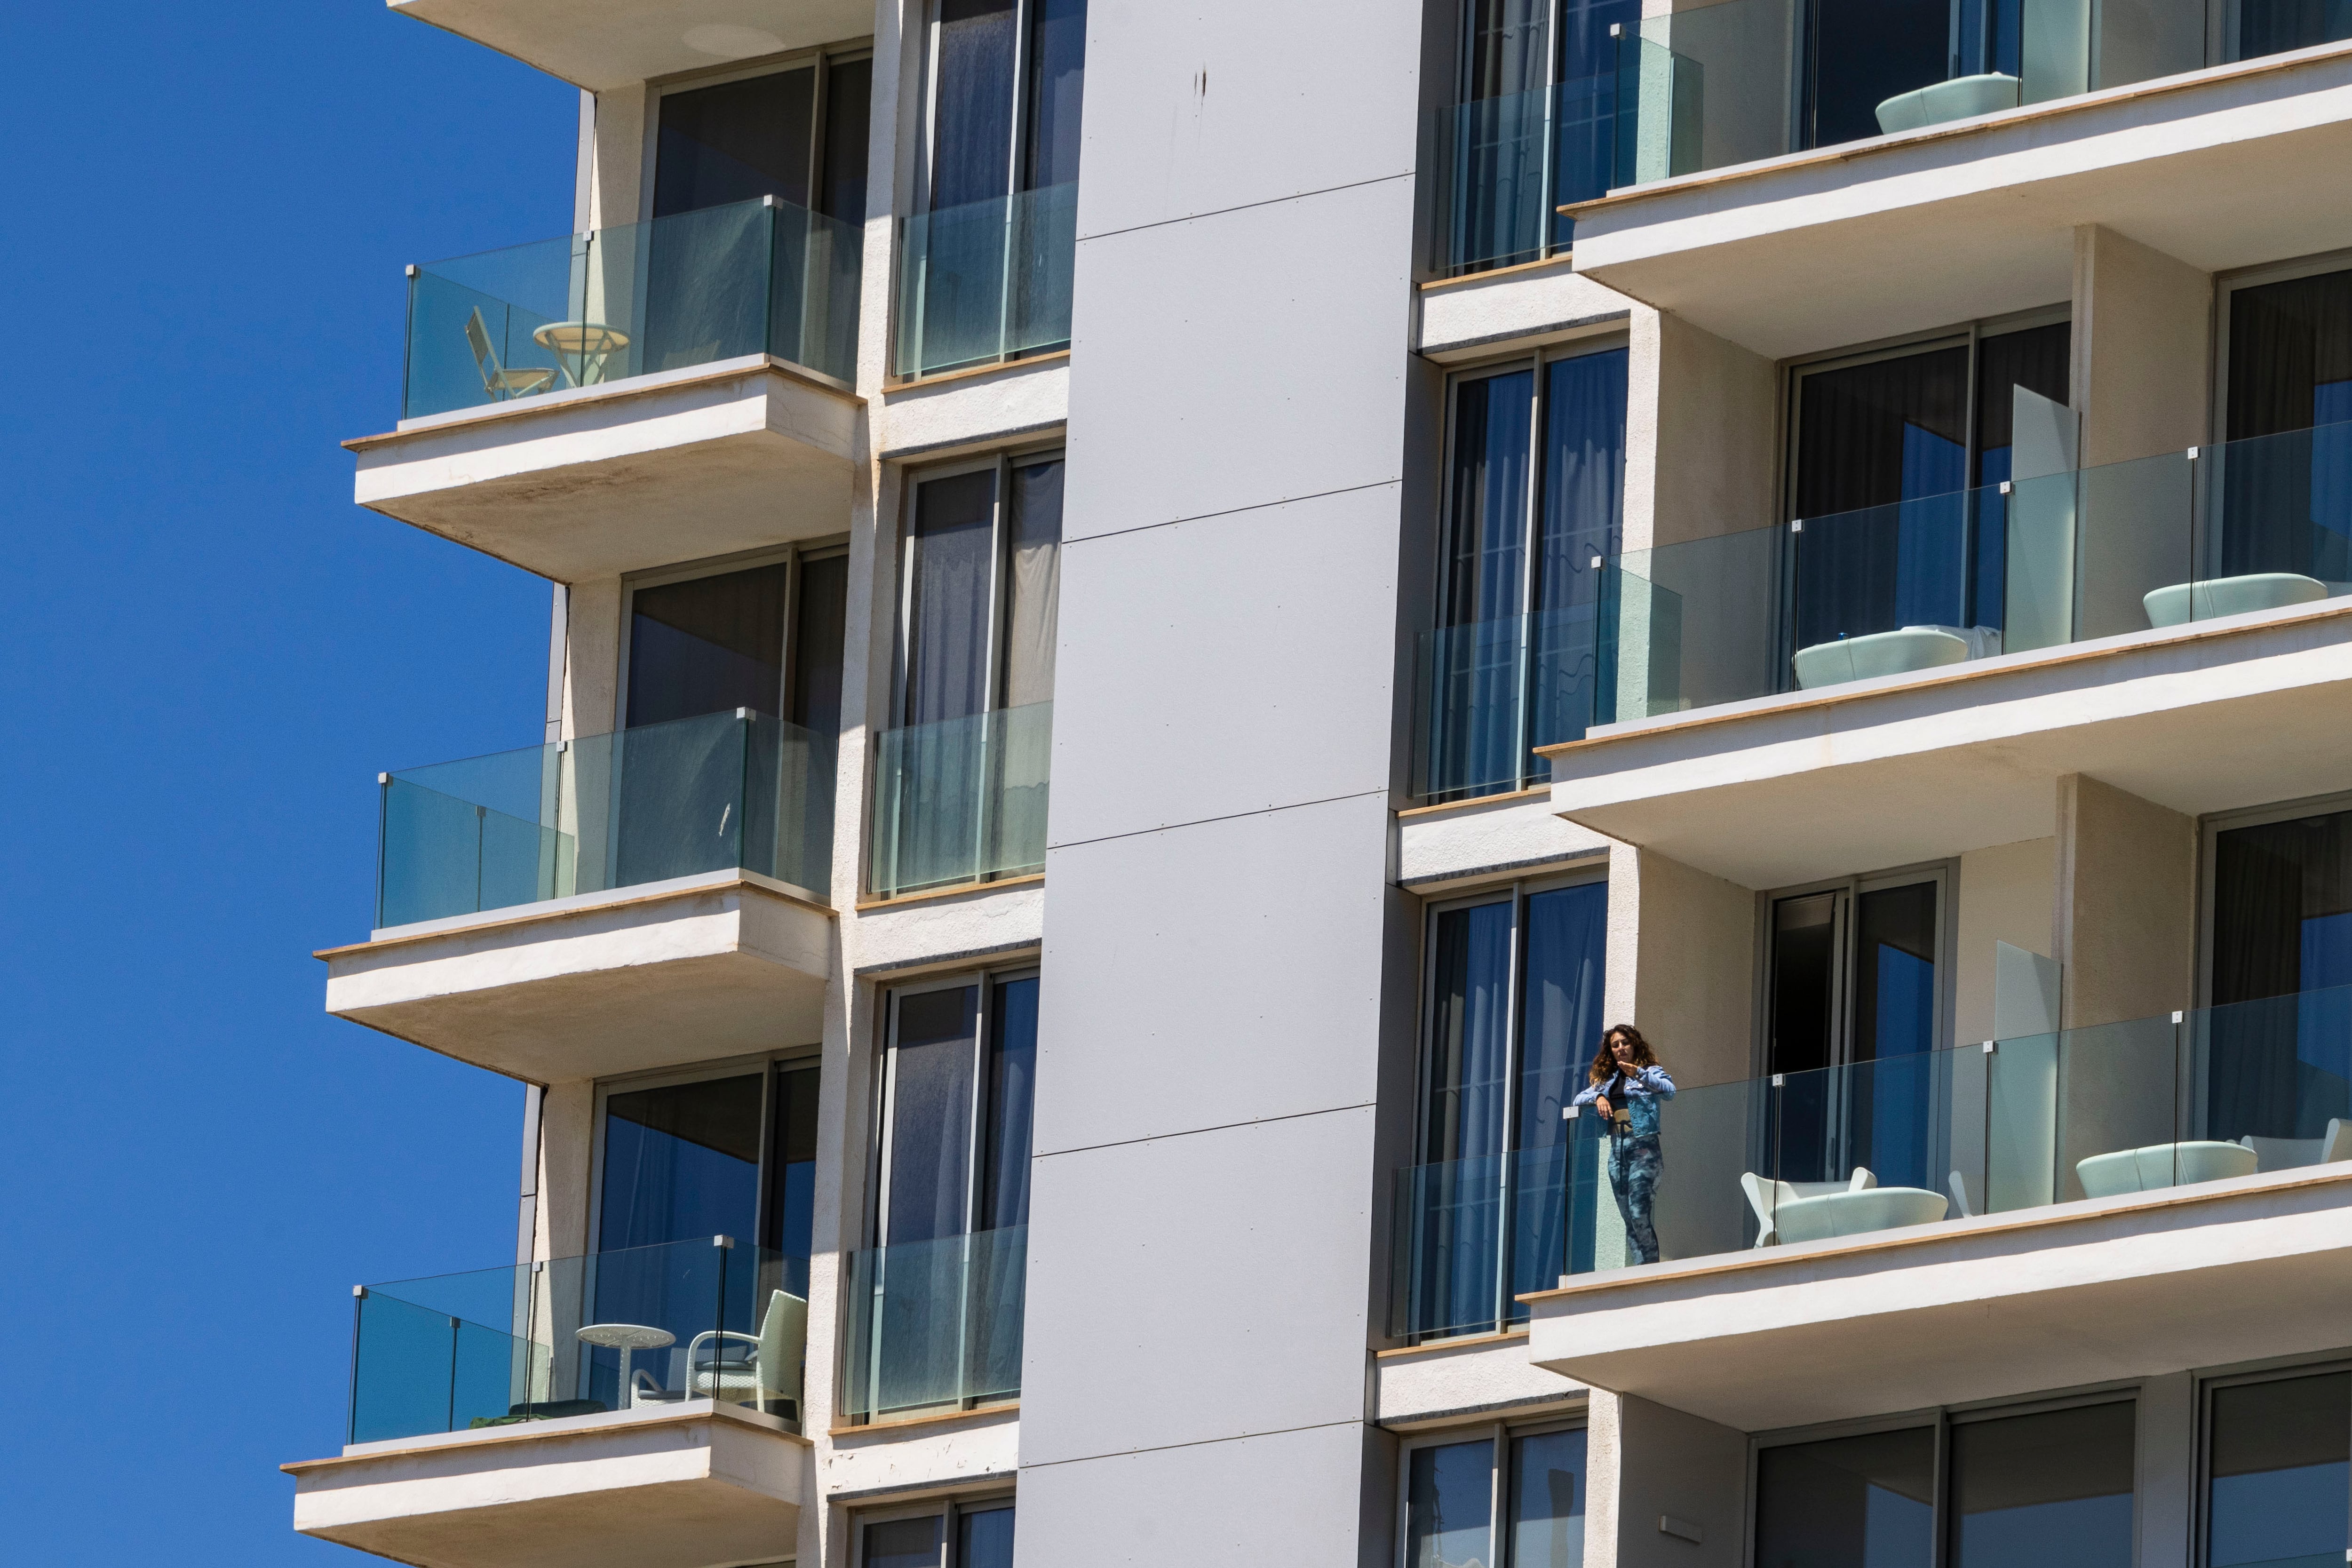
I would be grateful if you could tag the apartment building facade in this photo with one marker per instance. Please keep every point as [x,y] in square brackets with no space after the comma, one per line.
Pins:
[1161,612]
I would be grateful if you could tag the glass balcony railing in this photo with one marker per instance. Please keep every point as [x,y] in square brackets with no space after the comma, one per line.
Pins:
[640,1328]
[1498,168]
[2256,524]
[1714,85]
[985,282]
[679,799]
[933,1325]
[2094,1112]
[587,309]
[962,800]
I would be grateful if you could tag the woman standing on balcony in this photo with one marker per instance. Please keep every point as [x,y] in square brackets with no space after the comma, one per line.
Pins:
[1627,1087]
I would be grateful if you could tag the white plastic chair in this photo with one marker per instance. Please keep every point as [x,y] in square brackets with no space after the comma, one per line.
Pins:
[2287,1153]
[497,380]
[1766,1196]
[768,1371]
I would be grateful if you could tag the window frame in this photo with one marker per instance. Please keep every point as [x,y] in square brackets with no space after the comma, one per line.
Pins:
[945,1509]
[2210,828]
[1945,874]
[1001,462]
[767,1064]
[2201,1488]
[2225,288]
[1498,1434]
[794,556]
[927,141]
[885,1077]
[823,56]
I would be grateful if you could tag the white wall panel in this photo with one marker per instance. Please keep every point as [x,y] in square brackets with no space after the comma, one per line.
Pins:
[1223,362]
[1231,973]
[1253,666]
[1226,102]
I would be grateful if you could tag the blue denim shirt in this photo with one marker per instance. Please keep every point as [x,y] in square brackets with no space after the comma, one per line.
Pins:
[1643,1092]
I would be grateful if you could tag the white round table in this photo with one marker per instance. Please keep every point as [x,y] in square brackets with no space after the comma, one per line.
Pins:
[628,1339]
[581,343]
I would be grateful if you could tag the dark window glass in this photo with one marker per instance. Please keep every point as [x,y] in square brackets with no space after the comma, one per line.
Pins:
[953,573]
[1892,430]
[1546,1502]
[1850,1502]
[1895,972]
[1470,1033]
[1485,551]
[2049,1491]
[1012,1085]
[2291,355]
[818,631]
[2281,1472]
[708,644]
[681,1162]
[2274,27]
[2285,501]
[985,1537]
[735,143]
[1865,52]
[903,1543]
[792,1179]
[973,125]
[1058,79]
[1450,1506]
[1561,995]
[848,111]
[2283,908]
[1804,983]
[1502,47]
[1583,501]
[930,1115]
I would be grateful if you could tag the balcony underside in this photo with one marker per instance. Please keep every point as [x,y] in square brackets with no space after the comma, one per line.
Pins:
[678,1491]
[645,977]
[606,44]
[2221,714]
[1968,1309]
[600,480]
[1818,250]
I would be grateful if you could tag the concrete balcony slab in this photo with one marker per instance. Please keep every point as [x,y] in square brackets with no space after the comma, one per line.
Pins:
[599,481]
[2238,711]
[2225,167]
[2007,1304]
[709,1486]
[655,975]
[604,44]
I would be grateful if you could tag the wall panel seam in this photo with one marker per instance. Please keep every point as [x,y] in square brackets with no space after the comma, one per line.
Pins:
[1196,1443]
[1229,817]
[1236,510]
[1196,1131]
[1246,206]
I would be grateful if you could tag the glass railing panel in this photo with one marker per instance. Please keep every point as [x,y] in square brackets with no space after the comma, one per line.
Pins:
[2273,526]
[986,281]
[1689,626]
[934,1325]
[630,1329]
[673,292]
[676,799]
[1474,1234]
[1487,694]
[1499,167]
[962,800]
[1714,85]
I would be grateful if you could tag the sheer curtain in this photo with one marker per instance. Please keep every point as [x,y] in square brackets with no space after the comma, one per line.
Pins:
[1034,596]
[2286,500]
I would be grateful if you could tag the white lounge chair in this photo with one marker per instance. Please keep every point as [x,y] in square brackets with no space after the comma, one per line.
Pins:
[1898,652]
[2287,1153]
[1941,103]
[760,1370]
[497,380]
[2160,1165]
[1766,1196]
[2183,602]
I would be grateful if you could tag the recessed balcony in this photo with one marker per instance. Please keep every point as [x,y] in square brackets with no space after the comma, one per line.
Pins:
[619,903]
[1793,203]
[933,1327]
[657,392]
[986,282]
[633,1408]
[960,801]
[604,44]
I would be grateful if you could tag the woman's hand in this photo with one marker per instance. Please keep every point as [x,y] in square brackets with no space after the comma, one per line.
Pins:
[1602,1104]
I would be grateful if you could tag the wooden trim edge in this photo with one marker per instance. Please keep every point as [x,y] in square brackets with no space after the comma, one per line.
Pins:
[735,884]
[1027,361]
[960,888]
[1477,800]
[1564,259]
[1010,1406]
[1466,1341]
[535,1433]
[617,392]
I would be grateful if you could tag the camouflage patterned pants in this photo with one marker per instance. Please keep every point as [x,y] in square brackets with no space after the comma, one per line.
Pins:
[1633,1168]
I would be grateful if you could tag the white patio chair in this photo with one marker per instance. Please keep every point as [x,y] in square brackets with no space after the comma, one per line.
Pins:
[1766,1196]
[2287,1153]
[497,380]
[759,1370]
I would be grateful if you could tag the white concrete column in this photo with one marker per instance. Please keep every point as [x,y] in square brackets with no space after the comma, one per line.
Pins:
[592,666]
[1702,416]
[2166,1446]
[617,185]
[566,1144]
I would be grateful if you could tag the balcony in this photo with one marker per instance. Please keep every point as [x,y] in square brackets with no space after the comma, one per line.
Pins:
[985,283]
[658,392]
[2042,1211]
[1795,188]
[933,1327]
[637,1407]
[1500,167]
[960,801]
[1909,680]
[623,901]
[605,43]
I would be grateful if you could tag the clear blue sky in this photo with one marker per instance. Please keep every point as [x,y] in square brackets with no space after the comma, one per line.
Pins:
[207,654]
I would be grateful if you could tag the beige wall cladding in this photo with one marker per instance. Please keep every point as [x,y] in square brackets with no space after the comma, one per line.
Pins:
[1701,416]
[2143,336]
[2005,895]
[2125,921]
[1681,964]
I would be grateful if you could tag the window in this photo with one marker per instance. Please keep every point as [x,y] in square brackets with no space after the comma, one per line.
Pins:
[2043,1488]
[2278,1468]
[2286,502]
[798,134]
[1535,492]
[1895,475]
[977,1535]
[1855,998]
[982,589]
[1007,81]
[1459,1512]
[767,637]
[1514,985]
